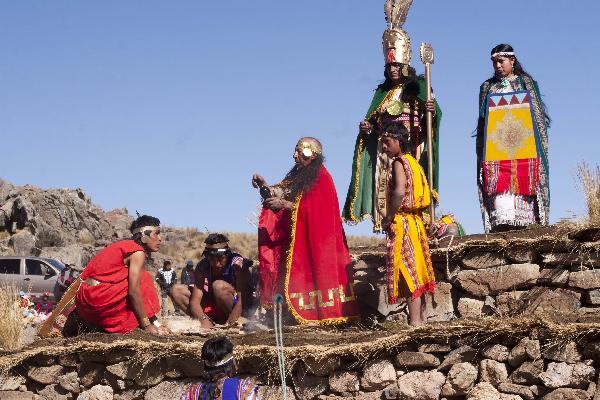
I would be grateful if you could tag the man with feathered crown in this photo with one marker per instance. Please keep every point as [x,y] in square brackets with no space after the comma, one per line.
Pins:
[401,98]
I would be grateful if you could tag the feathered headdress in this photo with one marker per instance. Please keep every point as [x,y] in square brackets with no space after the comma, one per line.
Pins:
[396,43]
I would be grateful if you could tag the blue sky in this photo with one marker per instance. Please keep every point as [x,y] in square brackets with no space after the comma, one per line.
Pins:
[169,107]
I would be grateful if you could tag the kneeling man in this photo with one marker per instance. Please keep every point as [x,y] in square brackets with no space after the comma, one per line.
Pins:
[222,287]
[117,294]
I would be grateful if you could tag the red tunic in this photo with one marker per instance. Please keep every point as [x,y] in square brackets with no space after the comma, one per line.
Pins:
[303,256]
[106,304]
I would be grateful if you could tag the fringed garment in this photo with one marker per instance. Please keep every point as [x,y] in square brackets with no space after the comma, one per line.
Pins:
[407,249]
[513,192]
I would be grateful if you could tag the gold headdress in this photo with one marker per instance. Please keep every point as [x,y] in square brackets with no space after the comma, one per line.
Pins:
[308,147]
[396,43]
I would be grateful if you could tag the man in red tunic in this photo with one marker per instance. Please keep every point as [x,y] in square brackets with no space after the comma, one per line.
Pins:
[302,248]
[117,294]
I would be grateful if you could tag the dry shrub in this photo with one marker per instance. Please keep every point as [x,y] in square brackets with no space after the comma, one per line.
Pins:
[10,315]
[589,181]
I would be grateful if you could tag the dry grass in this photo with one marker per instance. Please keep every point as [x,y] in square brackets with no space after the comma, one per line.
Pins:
[589,182]
[11,324]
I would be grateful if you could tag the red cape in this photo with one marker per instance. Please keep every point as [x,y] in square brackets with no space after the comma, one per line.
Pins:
[303,255]
[106,304]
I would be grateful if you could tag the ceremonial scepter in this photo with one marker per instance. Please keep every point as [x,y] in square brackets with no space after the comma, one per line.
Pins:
[427,59]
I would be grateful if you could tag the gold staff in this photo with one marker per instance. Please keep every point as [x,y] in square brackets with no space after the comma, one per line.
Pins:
[427,59]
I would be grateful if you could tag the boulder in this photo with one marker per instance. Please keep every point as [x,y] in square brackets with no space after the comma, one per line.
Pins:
[322,366]
[23,244]
[90,373]
[481,283]
[435,348]
[483,391]
[493,372]
[11,382]
[592,297]
[275,393]
[377,375]
[415,360]
[420,385]
[460,380]
[557,375]
[521,255]
[571,259]
[309,386]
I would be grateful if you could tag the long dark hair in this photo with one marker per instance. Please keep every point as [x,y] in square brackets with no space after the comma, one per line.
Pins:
[215,350]
[519,70]
[410,83]
[301,179]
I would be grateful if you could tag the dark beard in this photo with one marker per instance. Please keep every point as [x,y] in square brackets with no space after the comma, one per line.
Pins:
[302,179]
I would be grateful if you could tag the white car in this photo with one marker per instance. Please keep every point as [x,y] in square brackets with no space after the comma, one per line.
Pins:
[34,275]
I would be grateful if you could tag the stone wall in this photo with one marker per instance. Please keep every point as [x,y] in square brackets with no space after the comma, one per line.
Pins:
[539,271]
[508,367]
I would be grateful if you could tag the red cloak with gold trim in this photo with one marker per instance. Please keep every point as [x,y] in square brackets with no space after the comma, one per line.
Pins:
[303,255]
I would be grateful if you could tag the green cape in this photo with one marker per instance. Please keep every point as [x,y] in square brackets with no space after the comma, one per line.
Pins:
[359,200]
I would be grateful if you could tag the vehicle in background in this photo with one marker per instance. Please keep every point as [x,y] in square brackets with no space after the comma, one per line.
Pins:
[34,275]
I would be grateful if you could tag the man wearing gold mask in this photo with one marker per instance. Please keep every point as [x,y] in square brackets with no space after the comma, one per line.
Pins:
[400,98]
[302,250]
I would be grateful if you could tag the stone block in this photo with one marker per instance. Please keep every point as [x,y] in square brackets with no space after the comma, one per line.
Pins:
[566,394]
[554,277]
[563,352]
[344,381]
[45,375]
[55,392]
[459,355]
[441,307]
[528,373]
[435,348]
[322,366]
[469,308]
[163,391]
[496,352]
[68,360]
[415,360]
[585,279]
[460,380]
[132,394]
[521,255]
[524,391]
[493,372]
[526,349]
[477,259]
[98,392]
[309,386]
[10,382]
[571,259]
[592,297]
[421,385]
[483,391]
[17,395]
[481,283]
[90,374]
[69,382]
[377,375]
[275,393]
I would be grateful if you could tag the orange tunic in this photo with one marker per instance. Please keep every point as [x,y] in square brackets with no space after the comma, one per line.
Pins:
[106,304]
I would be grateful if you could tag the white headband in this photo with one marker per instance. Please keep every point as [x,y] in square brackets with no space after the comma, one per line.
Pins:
[145,228]
[219,363]
[504,54]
